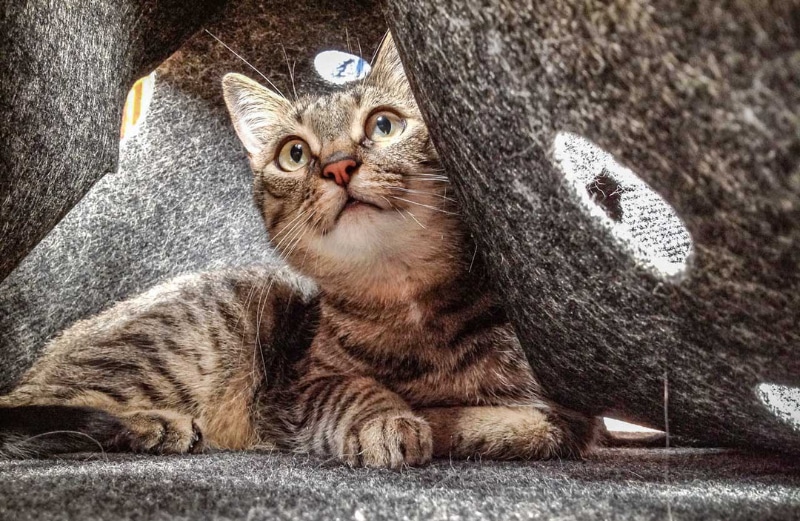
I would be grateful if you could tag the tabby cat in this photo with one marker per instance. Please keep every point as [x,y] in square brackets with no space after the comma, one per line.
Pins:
[402,353]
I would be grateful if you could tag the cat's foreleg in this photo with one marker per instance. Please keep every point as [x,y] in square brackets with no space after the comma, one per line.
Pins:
[508,432]
[111,424]
[360,422]
[46,429]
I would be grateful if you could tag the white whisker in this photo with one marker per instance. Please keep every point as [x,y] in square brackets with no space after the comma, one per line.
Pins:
[424,205]
[415,219]
[396,208]
[433,173]
[297,223]
[83,434]
[375,54]
[245,309]
[421,192]
[430,178]
[474,254]
[246,62]
[295,237]
[291,71]
[259,313]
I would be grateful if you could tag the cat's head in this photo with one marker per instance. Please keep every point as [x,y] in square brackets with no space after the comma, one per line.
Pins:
[349,183]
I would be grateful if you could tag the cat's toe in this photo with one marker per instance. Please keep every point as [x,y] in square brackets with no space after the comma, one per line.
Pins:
[395,442]
[352,451]
[579,433]
[163,432]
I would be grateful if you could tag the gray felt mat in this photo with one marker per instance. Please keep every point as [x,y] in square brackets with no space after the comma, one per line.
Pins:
[680,484]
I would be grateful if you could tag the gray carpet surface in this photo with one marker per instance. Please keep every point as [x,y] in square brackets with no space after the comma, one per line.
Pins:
[636,484]
[180,202]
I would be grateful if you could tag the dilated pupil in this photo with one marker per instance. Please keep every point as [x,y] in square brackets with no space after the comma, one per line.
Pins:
[383,124]
[296,153]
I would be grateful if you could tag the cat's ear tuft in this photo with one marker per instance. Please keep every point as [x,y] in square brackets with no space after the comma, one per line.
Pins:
[388,69]
[253,108]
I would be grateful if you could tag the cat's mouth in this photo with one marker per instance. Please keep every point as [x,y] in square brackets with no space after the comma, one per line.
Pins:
[352,202]
[355,204]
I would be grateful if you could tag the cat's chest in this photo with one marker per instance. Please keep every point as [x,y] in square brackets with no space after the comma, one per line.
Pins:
[501,376]
[427,362]
[399,328]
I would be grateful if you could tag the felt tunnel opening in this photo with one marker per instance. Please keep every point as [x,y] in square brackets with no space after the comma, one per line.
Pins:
[615,425]
[136,105]
[642,222]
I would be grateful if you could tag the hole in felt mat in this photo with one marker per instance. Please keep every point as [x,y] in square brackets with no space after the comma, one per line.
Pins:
[136,105]
[340,67]
[622,433]
[782,401]
[621,426]
[640,219]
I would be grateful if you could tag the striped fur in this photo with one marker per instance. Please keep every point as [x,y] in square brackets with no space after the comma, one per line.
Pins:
[412,354]
[181,366]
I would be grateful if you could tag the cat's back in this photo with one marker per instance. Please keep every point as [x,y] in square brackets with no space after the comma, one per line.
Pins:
[204,346]
[200,326]
[233,301]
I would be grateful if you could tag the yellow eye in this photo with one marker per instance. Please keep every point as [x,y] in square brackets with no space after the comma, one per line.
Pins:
[384,126]
[293,155]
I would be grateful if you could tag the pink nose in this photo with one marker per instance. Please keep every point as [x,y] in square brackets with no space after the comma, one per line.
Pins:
[340,171]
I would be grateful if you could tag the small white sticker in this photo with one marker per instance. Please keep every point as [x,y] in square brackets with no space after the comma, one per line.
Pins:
[340,67]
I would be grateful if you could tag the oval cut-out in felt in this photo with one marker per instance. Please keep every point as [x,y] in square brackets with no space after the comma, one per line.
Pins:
[617,199]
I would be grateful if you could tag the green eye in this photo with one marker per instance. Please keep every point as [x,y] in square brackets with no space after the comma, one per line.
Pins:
[384,126]
[293,155]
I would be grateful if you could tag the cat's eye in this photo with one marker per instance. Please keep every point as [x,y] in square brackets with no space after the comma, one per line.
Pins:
[293,155]
[384,125]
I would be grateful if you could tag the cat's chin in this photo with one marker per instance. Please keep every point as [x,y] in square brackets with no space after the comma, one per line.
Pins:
[361,231]
[355,214]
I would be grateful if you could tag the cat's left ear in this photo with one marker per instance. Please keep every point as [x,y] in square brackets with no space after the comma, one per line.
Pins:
[388,69]
[253,108]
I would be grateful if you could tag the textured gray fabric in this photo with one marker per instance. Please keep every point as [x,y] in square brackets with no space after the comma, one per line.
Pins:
[65,70]
[181,199]
[180,202]
[701,101]
[617,484]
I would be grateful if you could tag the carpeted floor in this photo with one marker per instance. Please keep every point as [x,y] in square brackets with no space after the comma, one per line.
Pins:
[680,484]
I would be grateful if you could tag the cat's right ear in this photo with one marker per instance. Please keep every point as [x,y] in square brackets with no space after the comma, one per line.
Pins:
[253,108]
[388,69]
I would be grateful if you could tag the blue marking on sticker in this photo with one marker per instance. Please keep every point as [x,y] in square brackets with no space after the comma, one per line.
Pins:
[340,67]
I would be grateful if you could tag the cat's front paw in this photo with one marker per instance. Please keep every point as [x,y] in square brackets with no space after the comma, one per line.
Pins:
[162,432]
[390,441]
